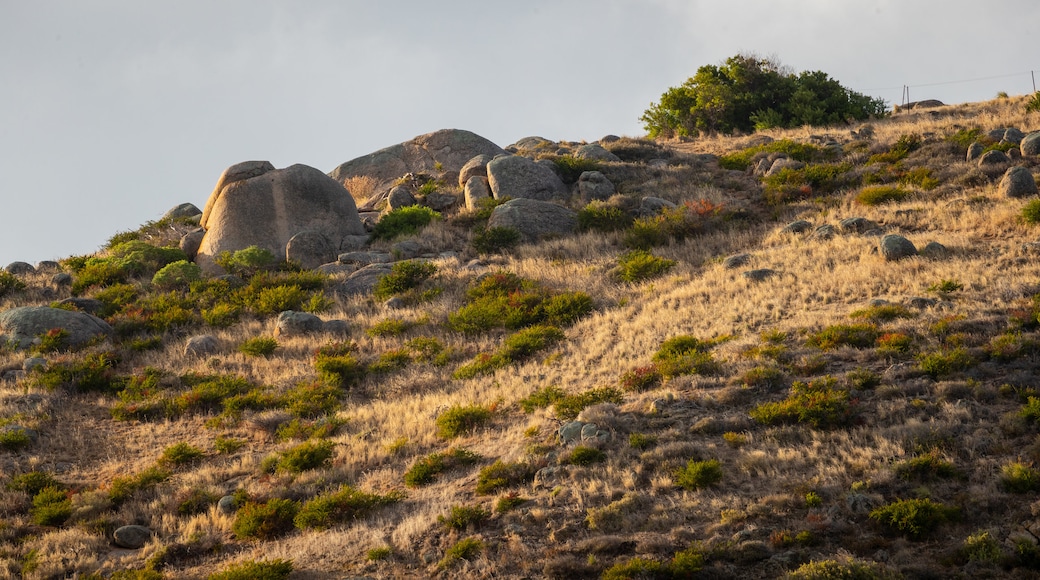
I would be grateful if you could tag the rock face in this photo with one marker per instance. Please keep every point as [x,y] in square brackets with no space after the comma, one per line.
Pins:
[451,148]
[21,325]
[1017,182]
[519,177]
[267,207]
[534,219]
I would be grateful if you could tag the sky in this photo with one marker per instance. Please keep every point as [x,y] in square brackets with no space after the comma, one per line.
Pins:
[113,111]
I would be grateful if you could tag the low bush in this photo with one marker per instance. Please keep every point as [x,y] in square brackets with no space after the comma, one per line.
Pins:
[390,361]
[14,439]
[599,217]
[306,456]
[509,502]
[583,455]
[925,467]
[818,404]
[503,299]
[426,469]
[32,482]
[847,569]
[258,346]
[389,327]
[339,507]
[247,261]
[92,373]
[9,283]
[697,474]
[641,379]
[54,340]
[568,407]
[943,363]
[914,518]
[894,343]
[502,474]
[685,355]
[460,420]
[179,274]
[124,487]
[51,506]
[464,549]
[881,194]
[196,501]
[838,335]
[764,378]
[899,150]
[883,313]
[404,277]
[1031,212]
[495,240]
[277,569]
[265,521]
[1018,477]
[541,398]
[403,221]
[337,365]
[462,517]
[641,265]
[179,454]
[641,441]
[570,168]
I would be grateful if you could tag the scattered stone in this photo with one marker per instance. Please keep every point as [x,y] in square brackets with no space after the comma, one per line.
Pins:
[595,185]
[993,157]
[921,303]
[309,250]
[364,280]
[336,326]
[184,210]
[797,227]
[521,178]
[400,196]
[596,152]
[650,206]
[131,537]
[20,326]
[227,504]
[934,250]
[824,232]
[895,247]
[534,219]
[88,305]
[736,261]
[366,258]
[476,190]
[191,241]
[19,268]
[859,225]
[975,151]
[1030,145]
[269,209]
[200,346]
[1017,182]
[760,274]
[292,323]
[475,167]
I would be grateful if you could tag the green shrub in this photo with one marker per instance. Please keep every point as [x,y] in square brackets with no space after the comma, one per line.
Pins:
[209,393]
[1031,212]
[685,355]
[914,518]
[179,274]
[459,420]
[403,277]
[379,554]
[641,265]
[583,455]
[854,335]
[883,313]
[844,570]
[925,467]
[641,441]
[947,362]
[541,398]
[426,469]
[981,547]
[508,502]
[93,373]
[570,168]
[51,506]
[568,407]
[641,379]
[246,261]
[502,474]
[461,517]
[228,445]
[32,482]
[764,378]
[862,379]
[403,221]
[179,454]
[632,568]
[818,404]
[197,501]
[259,346]
[306,456]
[337,365]
[894,343]
[600,217]
[464,549]
[1018,477]
[389,327]
[429,349]
[312,399]
[698,474]
[9,283]
[277,569]
[495,240]
[503,299]
[1033,104]
[264,521]
[123,487]
[14,439]
[881,194]
[221,315]
[342,506]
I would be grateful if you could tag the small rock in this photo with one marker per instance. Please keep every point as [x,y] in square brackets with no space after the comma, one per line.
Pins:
[547,476]
[894,247]
[20,268]
[33,362]
[921,302]
[476,190]
[291,323]
[858,225]
[395,303]
[993,158]
[400,196]
[1013,135]
[974,151]
[88,305]
[440,201]
[191,241]
[1017,182]
[15,428]
[824,232]
[203,345]
[781,164]
[406,250]
[797,227]
[736,261]
[61,279]
[596,152]
[48,266]
[571,432]
[227,504]
[475,167]
[340,327]
[131,537]
[934,250]
[760,274]
[595,185]
[309,250]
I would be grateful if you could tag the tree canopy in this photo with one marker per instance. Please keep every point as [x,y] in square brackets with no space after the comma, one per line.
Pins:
[748,93]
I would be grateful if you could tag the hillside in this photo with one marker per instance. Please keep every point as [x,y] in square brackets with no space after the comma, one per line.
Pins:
[807,407]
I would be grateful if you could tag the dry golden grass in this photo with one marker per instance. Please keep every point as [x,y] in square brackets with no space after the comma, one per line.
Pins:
[583,518]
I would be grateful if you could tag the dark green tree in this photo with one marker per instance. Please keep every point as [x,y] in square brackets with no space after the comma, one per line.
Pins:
[747,92]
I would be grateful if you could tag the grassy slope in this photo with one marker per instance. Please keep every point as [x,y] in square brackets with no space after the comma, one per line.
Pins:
[586,519]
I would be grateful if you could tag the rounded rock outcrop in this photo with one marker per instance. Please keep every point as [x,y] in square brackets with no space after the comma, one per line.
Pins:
[534,219]
[20,326]
[272,206]
[519,177]
[1017,182]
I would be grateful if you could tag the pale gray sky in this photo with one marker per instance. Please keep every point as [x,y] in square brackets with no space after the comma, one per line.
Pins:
[113,111]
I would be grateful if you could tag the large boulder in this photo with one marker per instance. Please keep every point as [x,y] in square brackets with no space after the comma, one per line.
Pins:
[474,167]
[1030,145]
[596,152]
[446,150]
[20,326]
[271,207]
[534,219]
[595,185]
[1017,182]
[519,177]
